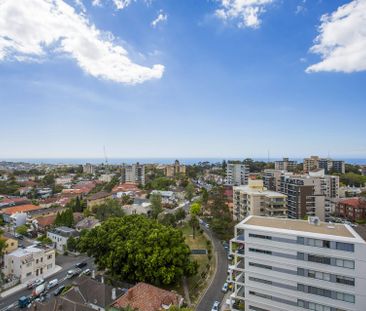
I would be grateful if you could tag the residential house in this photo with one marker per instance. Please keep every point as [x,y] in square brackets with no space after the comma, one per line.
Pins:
[353,209]
[98,198]
[87,223]
[11,243]
[29,263]
[60,236]
[9,211]
[146,297]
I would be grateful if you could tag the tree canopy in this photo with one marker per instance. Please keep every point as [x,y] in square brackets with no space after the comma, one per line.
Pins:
[156,205]
[64,218]
[107,209]
[135,248]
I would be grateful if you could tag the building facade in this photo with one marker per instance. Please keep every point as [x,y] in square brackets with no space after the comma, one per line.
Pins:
[175,169]
[353,209]
[254,199]
[285,165]
[134,173]
[60,236]
[237,174]
[28,263]
[297,265]
[328,165]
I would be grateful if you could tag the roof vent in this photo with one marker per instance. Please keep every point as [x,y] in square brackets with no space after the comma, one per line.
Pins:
[314,220]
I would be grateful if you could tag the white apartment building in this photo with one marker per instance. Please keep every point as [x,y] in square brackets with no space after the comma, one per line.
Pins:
[134,173]
[29,263]
[255,199]
[60,236]
[237,174]
[297,265]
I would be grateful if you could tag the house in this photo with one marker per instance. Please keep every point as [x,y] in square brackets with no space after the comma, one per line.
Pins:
[8,201]
[87,223]
[146,297]
[167,197]
[43,223]
[143,208]
[98,198]
[60,236]
[11,244]
[86,295]
[29,263]
[9,211]
[128,188]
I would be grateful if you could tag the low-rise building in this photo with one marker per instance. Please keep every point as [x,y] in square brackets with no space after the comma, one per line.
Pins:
[9,211]
[98,198]
[87,223]
[29,263]
[60,236]
[353,209]
[11,243]
[146,297]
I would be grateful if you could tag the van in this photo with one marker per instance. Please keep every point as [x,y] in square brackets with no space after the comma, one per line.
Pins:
[52,283]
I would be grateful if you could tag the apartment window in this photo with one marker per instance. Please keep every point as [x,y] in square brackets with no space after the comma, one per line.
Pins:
[260,295]
[260,236]
[326,293]
[28,274]
[258,265]
[350,264]
[319,259]
[345,247]
[262,251]
[345,280]
[260,280]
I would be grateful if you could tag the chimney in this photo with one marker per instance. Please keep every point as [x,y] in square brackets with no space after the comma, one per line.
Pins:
[114,296]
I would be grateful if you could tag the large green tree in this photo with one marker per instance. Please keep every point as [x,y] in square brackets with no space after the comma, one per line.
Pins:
[64,218]
[156,205]
[136,248]
[107,209]
[189,191]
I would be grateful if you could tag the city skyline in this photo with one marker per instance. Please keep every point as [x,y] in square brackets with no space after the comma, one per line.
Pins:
[160,79]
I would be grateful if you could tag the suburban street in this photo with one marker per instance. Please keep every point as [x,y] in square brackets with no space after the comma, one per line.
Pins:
[214,292]
[66,262]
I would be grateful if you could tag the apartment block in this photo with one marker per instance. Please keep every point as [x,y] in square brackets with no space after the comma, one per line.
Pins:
[29,263]
[272,179]
[60,236]
[255,199]
[313,194]
[134,173]
[328,165]
[296,265]
[89,169]
[285,165]
[175,169]
[237,174]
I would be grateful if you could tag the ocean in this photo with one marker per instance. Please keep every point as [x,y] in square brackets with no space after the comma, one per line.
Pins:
[187,161]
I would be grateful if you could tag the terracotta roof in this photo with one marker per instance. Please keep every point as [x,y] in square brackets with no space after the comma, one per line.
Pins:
[146,297]
[19,209]
[99,195]
[354,202]
[44,221]
[128,186]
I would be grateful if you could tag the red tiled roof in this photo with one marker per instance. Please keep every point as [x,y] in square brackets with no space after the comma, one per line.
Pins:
[146,297]
[125,187]
[19,209]
[354,202]
[45,221]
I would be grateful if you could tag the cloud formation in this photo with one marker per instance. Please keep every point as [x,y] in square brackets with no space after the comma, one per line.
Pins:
[246,12]
[342,39]
[42,26]
[162,17]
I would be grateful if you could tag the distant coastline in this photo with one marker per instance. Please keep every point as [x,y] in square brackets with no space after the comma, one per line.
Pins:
[187,161]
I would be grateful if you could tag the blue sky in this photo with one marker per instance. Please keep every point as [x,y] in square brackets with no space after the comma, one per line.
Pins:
[205,80]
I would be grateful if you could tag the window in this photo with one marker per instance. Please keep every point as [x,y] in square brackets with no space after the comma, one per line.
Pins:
[350,264]
[258,265]
[345,247]
[319,259]
[345,280]
[325,293]
[262,251]
[259,236]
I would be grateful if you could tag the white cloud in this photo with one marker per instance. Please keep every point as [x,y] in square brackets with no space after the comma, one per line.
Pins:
[121,4]
[96,3]
[44,26]
[247,12]
[162,17]
[342,39]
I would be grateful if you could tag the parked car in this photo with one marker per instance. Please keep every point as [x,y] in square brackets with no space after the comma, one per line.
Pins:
[52,283]
[35,283]
[215,306]
[81,265]
[225,288]
[230,257]
[59,290]
[86,272]
[72,273]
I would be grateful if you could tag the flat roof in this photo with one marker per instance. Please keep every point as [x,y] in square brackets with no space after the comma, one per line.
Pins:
[339,230]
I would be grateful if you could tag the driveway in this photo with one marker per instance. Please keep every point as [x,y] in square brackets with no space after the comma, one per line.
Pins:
[214,292]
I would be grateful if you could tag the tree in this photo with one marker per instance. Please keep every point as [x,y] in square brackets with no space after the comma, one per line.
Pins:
[71,244]
[160,183]
[156,205]
[135,248]
[2,243]
[126,199]
[65,218]
[107,209]
[195,209]
[180,214]
[168,219]
[77,204]
[109,186]
[44,240]
[194,223]
[189,191]
[175,308]
[204,196]
[23,229]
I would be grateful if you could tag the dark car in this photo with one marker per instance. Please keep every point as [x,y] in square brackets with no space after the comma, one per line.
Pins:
[59,290]
[81,265]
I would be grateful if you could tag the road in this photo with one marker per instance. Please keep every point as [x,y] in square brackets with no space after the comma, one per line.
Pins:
[214,292]
[66,262]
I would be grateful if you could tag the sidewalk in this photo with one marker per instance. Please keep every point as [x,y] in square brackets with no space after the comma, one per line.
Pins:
[24,285]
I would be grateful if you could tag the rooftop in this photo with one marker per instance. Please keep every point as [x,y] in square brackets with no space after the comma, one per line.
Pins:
[339,230]
[20,209]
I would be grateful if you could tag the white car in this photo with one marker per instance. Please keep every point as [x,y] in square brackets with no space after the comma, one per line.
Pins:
[225,288]
[52,283]
[215,306]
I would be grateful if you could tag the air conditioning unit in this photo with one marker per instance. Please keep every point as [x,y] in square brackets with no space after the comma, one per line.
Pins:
[314,220]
